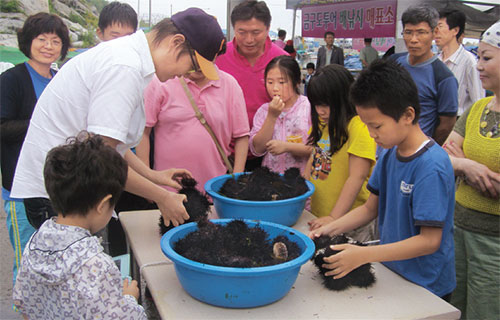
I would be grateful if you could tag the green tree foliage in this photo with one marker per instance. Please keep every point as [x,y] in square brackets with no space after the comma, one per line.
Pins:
[51,7]
[74,17]
[10,6]
[91,19]
[99,4]
[88,39]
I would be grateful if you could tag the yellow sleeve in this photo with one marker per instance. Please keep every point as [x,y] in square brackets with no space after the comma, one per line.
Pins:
[360,143]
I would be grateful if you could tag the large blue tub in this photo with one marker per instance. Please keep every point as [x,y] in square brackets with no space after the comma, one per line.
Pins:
[237,287]
[285,212]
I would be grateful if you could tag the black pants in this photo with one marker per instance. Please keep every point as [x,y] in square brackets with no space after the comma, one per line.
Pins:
[116,235]
[38,210]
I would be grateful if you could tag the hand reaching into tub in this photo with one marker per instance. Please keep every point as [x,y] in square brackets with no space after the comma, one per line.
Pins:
[172,177]
[328,229]
[357,217]
[319,222]
[349,258]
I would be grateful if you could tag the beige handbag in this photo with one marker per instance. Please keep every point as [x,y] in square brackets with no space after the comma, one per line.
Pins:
[204,122]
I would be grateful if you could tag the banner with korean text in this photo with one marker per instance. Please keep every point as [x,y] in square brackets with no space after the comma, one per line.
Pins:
[357,19]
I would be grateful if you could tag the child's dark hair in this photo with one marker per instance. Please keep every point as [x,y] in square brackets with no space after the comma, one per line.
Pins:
[330,86]
[81,173]
[310,65]
[117,12]
[251,9]
[38,24]
[387,86]
[289,67]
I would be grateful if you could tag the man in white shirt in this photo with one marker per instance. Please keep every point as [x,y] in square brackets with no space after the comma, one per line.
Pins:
[461,62]
[101,91]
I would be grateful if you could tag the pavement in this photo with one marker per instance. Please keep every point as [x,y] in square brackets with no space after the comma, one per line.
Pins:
[6,260]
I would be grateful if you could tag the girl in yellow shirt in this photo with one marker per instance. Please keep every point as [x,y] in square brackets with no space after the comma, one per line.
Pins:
[344,153]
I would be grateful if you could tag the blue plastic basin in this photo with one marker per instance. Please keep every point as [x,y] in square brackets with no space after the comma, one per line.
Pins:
[237,287]
[285,212]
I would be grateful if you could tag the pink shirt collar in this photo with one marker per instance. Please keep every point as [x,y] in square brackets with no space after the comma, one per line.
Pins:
[267,50]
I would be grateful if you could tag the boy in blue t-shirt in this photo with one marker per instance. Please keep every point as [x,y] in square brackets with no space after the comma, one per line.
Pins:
[412,188]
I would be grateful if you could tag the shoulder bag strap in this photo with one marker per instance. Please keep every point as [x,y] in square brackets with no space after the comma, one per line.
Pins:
[204,122]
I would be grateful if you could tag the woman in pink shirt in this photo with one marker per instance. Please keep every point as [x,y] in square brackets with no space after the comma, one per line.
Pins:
[280,127]
[180,140]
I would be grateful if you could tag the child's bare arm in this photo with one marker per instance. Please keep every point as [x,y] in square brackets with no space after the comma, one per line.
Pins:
[351,256]
[359,169]
[240,153]
[276,147]
[265,133]
[307,170]
[352,220]
[298,149]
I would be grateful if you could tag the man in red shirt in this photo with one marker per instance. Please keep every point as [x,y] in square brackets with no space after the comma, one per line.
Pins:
[248,54]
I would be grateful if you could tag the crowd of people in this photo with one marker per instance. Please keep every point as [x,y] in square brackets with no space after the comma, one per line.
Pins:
[139,111]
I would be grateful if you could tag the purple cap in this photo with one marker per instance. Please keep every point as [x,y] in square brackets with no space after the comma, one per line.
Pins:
[204,35]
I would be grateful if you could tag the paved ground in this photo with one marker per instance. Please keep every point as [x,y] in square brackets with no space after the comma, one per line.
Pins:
[6,260]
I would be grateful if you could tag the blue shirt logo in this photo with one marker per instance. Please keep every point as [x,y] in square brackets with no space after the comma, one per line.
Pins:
[406,188]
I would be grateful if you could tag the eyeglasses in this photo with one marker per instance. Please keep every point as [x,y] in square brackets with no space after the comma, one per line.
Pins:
[196,67]
[45,42]
[408,34]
